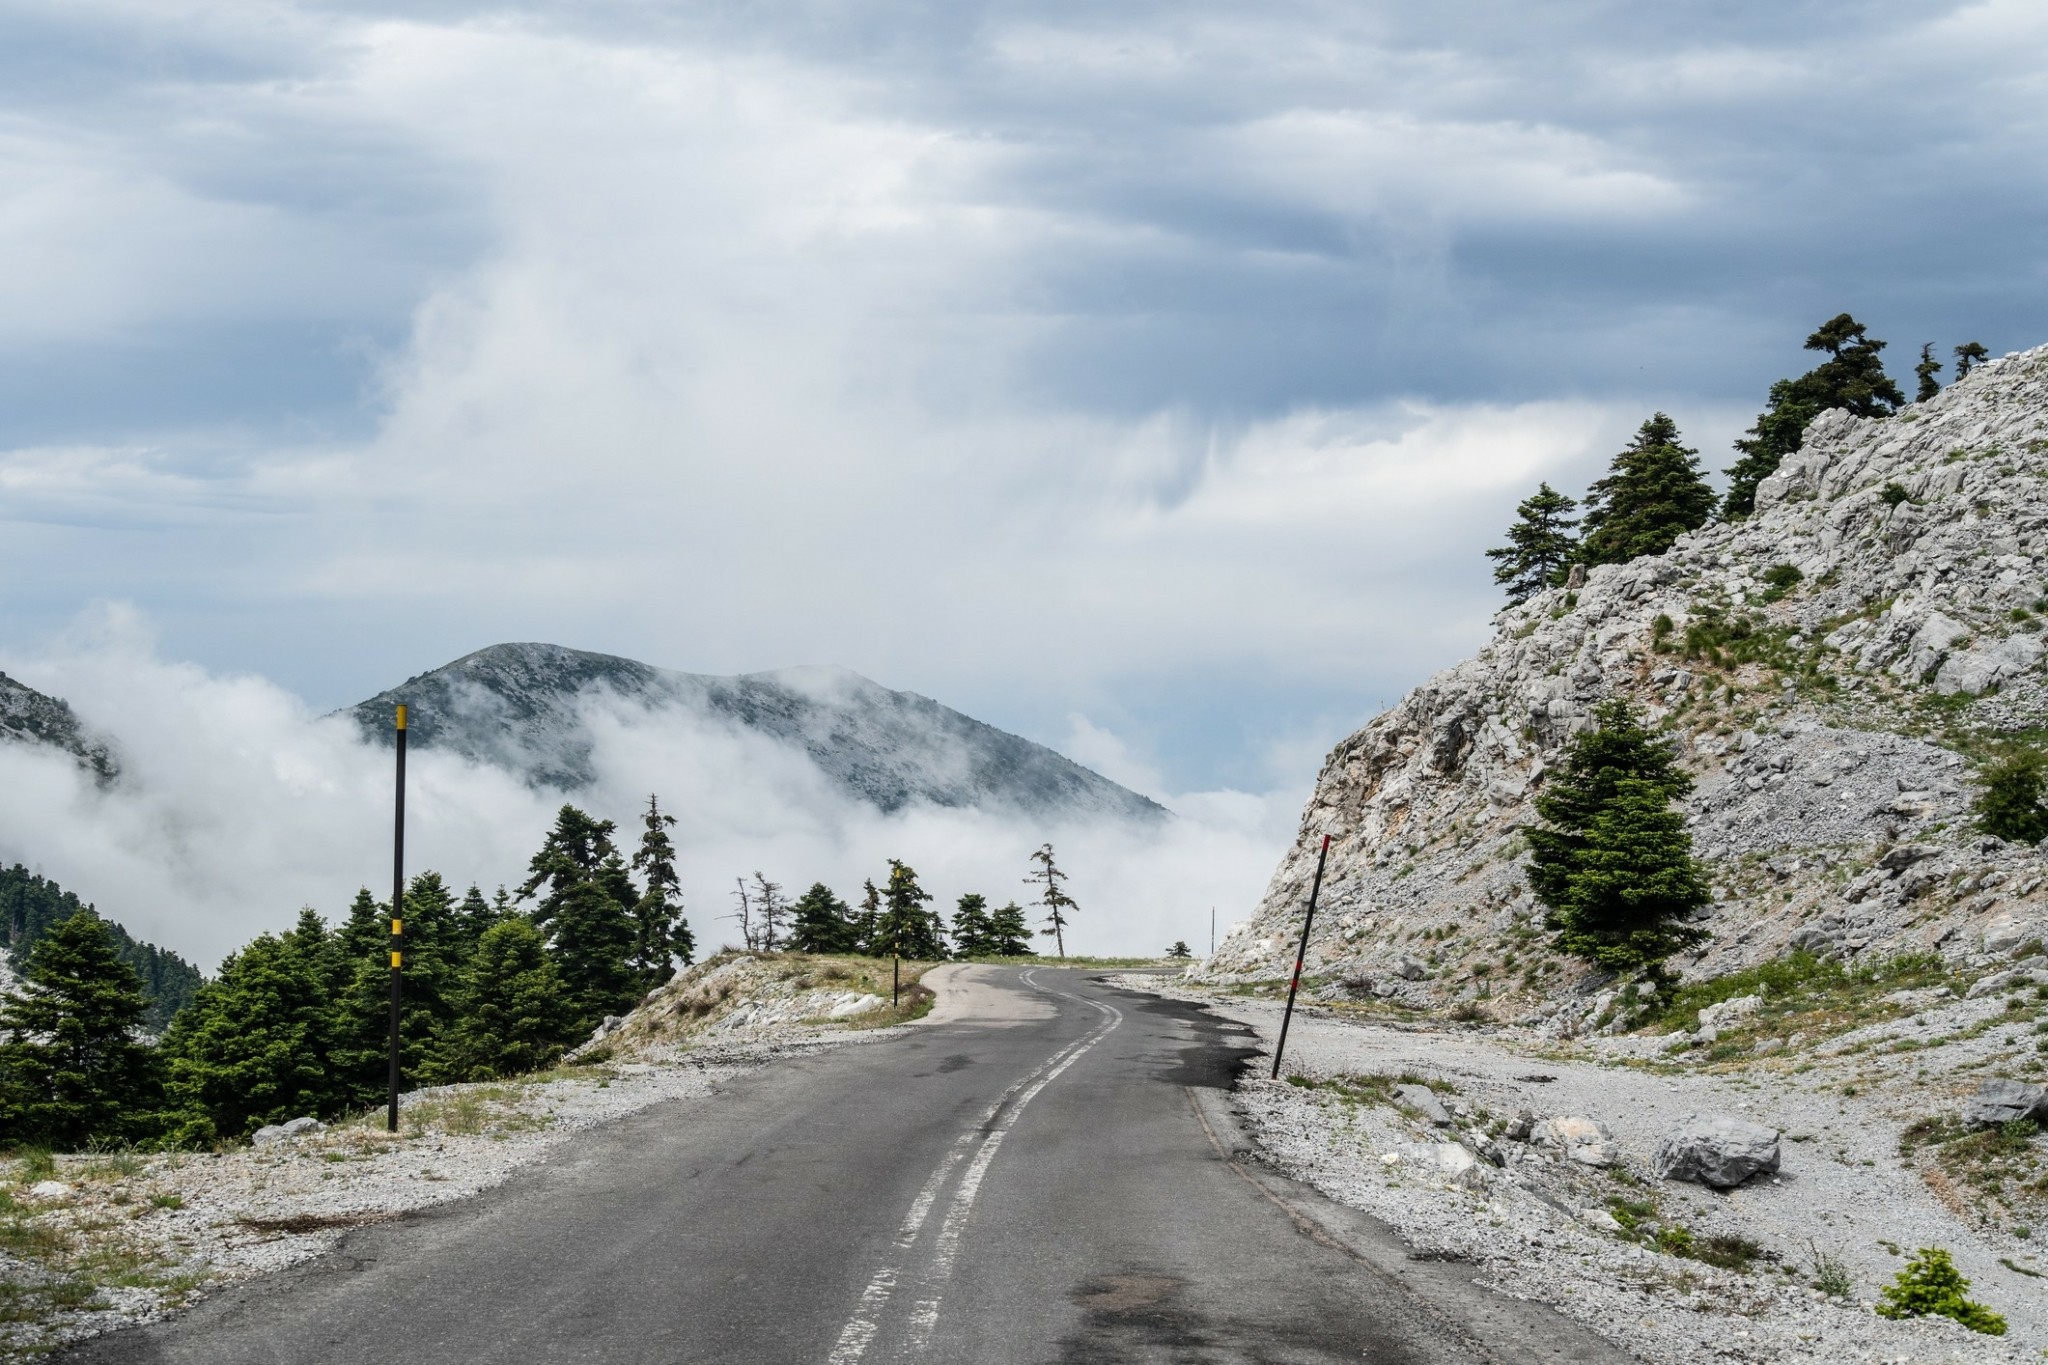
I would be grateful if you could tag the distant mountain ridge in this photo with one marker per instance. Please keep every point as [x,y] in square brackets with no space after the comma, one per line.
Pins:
[31,717]
[517,706]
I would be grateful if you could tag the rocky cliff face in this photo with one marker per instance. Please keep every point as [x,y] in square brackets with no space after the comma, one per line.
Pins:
[31,717]
[1832,724]
[521,706]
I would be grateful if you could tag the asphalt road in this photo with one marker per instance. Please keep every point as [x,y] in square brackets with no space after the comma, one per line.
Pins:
[1050,1173]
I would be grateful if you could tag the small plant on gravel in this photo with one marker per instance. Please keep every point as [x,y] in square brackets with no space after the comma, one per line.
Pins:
[1728,1252]
[37,1163]
[1675,1241]
[1931,1286]
[1830,1271]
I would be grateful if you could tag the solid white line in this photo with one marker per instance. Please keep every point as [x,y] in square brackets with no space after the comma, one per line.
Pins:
[860,1329]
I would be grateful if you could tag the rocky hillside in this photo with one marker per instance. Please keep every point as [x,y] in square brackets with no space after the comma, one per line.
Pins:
[31,717]
[1830,669]
[521,706]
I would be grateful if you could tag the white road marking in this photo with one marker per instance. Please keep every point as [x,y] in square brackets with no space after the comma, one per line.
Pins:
[946,1249]
[860,1329]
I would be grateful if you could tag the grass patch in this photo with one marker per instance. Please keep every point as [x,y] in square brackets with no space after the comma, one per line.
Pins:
[1801,992]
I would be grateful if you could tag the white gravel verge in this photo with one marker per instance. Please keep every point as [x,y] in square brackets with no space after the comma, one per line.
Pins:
[1842,1190]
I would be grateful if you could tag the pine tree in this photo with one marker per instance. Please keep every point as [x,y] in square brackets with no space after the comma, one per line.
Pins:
[1058,904]
[973,931]
[773,908]
[822,923]
[513,1014]
[906,928]
[1969,356]
[1925,372]
[868,925]
[1180,951]
[587,911]
[71,1068]
[258,1046]
[1539,547]
[661,933]
[1009,934]
[1653,494]
[1852,377]
[474,918]
[1613,861]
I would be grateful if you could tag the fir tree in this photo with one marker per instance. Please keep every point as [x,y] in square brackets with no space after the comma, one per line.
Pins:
[868,925]
[1653,494]
[1058,904]
[587,910]
[71,1068]
[1852,377]
[1969,356]
[773,908]
[660,932]
[1180,951]
[1925,372]
[973,930]
[906,928]
[1539,547]
[1612,861]
[474,918]
[822,923]
[257,1046]
[1009,934]
[513,1014]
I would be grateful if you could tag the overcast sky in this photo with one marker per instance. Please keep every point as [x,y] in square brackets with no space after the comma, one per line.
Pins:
[1146,378]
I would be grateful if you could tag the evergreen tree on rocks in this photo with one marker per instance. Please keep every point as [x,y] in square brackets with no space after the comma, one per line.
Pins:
[1539,548]
[1009,933]
[1969,356]
[1852,377]
[1058,904]
[2009,804]
[513,1014]
[1180,952]
[906,928]
[71,1066]
[474,917]
[1653,494]
[1925,372]
[973,931]
[1612,860]
[661,933]
[823,923]
[259,1045]
[436,949]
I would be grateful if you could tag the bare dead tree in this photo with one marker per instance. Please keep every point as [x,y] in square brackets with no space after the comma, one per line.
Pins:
[745,914]
[773,907]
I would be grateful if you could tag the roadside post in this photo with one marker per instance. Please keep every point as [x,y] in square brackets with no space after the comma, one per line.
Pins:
[397,921]
[1300,955]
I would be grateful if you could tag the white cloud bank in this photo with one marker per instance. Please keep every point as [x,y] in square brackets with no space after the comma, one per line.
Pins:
[237,805]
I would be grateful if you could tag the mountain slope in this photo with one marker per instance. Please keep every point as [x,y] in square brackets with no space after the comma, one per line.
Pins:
[519,706]
[1832,727]
[31,717]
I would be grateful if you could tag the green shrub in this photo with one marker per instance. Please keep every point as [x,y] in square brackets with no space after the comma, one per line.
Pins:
[1931,1286]
[2009,804]
[1892,494]
[1780,579]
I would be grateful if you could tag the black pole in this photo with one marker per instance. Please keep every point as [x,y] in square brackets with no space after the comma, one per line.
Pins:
[1300,955]
[895,979]
[397,922]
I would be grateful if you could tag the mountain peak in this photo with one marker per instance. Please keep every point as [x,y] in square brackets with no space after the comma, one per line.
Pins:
[520,706]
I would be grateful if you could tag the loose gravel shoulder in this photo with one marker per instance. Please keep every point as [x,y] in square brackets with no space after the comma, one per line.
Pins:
[1544,1227]
[120,1238]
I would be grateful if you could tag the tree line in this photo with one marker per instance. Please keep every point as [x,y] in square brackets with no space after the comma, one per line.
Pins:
[298,1022]
[1654,491]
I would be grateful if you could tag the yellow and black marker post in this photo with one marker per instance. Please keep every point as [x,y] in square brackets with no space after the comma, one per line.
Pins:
[397,922]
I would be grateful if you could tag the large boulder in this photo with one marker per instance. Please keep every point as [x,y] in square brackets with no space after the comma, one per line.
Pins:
[1423,1101]
[1577,1138]
[1998,1102]
[1730,1011]
[1717,1150]
[287,1131]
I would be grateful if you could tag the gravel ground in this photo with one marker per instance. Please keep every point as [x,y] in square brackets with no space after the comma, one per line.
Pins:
[1843,1190]
[155,1233]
